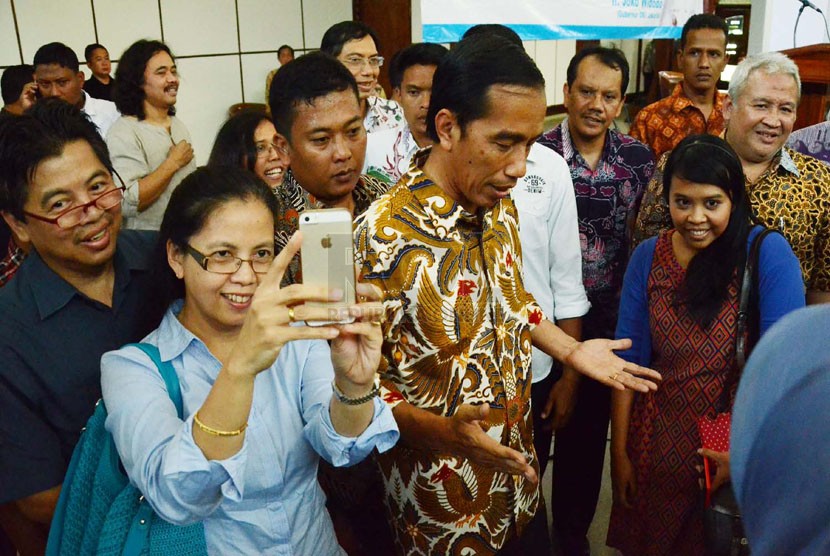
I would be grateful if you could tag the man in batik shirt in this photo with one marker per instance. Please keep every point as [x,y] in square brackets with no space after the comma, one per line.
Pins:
[788,190]
[314,104]
[443,246]
[609,172]
[695,105]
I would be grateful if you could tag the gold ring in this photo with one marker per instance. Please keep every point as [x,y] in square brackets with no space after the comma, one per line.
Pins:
[291,314]
[615,375]
[376,322]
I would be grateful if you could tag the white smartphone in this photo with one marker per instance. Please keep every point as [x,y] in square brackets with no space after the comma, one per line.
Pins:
[327,258]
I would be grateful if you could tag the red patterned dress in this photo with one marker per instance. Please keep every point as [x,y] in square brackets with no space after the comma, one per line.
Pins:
[663,439]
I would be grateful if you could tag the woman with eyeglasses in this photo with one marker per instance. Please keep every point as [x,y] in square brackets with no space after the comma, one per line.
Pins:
[264,394]
[679,306]
[248,140]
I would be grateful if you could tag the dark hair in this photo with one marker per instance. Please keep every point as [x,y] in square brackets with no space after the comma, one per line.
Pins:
[90,48]
[703,21]
[420,54]
[710,160]
[463,79]
[611,57]
[56,53]
[198,196]
[340,33]
[13,81]
[494,29]
[234,145]
[42,132]
[307,78]
[285,47]
[129,77]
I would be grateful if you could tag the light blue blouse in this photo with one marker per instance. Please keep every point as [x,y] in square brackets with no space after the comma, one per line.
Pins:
[263,500]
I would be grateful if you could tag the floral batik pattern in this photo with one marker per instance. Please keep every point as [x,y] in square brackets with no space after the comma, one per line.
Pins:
[293,200]
[457,332]
[607,198]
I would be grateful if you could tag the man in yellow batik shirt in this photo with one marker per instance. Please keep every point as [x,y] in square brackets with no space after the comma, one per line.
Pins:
[443,245]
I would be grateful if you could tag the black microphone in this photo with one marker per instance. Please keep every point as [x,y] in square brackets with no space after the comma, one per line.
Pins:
[808,4]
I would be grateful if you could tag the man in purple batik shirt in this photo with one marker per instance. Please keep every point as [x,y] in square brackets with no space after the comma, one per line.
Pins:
[609,172]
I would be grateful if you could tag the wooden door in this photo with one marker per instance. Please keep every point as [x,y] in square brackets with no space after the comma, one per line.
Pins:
[392,22]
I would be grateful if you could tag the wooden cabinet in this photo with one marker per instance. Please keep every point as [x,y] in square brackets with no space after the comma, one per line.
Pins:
[814,67]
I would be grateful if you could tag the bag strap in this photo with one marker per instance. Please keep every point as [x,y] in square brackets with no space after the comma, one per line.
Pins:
[139,531]
[168,373]
[746,292]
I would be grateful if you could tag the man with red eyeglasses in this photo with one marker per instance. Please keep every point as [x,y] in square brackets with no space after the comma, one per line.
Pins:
[84,289]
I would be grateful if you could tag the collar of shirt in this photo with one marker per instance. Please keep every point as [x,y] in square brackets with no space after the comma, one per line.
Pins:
[574,159]
[681,102]
[365,191]
[173,338]
[787,163]
[425,190]
[408,144]
[51,293]
[783,161]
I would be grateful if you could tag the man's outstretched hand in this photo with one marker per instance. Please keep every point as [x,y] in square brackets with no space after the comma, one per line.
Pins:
[596,359]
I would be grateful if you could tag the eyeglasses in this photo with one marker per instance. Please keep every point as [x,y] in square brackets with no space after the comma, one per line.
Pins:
[72,216]
[264,149]
[357,62]
[223,262]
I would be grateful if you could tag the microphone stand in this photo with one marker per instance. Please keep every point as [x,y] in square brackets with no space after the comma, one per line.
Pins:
[801,10]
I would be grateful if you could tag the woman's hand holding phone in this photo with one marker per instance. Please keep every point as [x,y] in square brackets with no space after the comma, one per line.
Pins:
[268,323]
[355,352]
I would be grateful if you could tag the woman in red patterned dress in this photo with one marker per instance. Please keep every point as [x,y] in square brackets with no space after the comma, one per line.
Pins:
[679,306]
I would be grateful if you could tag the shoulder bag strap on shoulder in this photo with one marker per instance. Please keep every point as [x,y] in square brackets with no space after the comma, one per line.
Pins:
[138,534]
[746,292]
[168,373]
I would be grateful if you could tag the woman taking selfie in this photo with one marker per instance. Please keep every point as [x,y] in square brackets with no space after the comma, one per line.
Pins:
[257,383]
[679,306]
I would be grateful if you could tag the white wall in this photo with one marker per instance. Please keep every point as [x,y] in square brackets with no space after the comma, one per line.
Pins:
[225,48]
[772,23]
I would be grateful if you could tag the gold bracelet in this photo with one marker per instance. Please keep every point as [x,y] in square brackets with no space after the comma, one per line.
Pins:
[216,432]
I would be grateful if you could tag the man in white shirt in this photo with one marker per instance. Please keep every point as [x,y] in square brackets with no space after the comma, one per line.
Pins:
[57,74]
[388,152]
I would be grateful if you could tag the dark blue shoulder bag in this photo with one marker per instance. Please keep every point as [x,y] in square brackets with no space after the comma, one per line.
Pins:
[100,513]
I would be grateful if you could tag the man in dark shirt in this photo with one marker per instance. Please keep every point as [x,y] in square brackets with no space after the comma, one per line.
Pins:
[83,290]
[100,84]
[609,172]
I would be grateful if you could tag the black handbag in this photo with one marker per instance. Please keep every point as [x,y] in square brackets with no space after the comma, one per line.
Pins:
[723,530]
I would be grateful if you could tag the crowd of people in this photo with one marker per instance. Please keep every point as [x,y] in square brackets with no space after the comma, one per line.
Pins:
[515,284]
